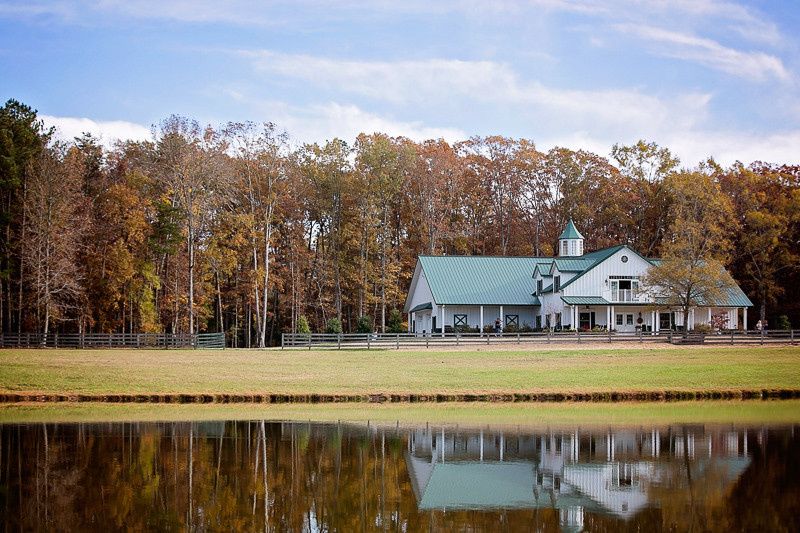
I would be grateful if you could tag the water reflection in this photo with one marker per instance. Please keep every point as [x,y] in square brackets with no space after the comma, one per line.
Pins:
[339,477]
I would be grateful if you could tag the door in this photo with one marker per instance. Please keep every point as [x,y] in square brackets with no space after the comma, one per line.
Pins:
[433,325]
[665,320]
[586,320]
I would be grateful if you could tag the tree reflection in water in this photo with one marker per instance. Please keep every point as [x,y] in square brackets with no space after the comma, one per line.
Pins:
[346,477]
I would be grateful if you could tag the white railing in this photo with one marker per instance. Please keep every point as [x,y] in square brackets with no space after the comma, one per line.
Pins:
[625,295]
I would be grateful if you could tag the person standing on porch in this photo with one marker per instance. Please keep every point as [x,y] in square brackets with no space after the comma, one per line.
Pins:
[497,326]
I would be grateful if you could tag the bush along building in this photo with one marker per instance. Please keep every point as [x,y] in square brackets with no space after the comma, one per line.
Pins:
[599,290]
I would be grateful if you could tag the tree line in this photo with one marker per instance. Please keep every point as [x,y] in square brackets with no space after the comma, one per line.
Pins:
[234,229]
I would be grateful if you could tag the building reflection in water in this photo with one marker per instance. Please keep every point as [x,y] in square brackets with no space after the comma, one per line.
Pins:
[350,477]
[574,472]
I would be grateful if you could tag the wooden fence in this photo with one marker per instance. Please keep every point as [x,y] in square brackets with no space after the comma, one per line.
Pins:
[418,340]
[111,340]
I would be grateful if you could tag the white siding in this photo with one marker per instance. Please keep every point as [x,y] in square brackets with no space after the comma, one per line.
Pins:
[593,283]
[421,291]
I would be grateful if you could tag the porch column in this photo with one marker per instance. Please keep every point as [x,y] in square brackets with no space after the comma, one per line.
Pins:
[657,323]
[441,319]
[689,323]
[410,315]
[613,318]
[480,327]
[575,314]
[502,318]
[744,319]
[709,316]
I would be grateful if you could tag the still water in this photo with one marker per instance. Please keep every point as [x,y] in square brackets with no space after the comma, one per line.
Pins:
[294,476]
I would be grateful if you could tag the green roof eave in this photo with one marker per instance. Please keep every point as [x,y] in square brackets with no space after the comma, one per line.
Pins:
[585,300]
[421,307]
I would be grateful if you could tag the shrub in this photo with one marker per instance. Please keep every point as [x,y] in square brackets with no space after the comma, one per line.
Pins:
[703,328]
[302,324]
[783,322]
[334,325]
[364,324]
[395,323]
[511,328]
[526,328]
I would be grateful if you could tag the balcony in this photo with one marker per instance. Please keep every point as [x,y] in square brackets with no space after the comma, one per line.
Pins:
[625,295]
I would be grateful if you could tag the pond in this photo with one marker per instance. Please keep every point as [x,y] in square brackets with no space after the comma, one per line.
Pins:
[302,476]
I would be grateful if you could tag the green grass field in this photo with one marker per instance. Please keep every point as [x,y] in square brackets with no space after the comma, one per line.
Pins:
[302,372]
[566,414]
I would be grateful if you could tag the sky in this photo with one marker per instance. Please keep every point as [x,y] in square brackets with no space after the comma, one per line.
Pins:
[705,78]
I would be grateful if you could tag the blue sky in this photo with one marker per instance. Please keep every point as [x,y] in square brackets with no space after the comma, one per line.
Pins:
[703,77]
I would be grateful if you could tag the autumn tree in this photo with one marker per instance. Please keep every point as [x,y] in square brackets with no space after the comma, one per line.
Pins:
[646,165]
[766,205]
[691,271]
[187,160]
[260,176]
[55,222]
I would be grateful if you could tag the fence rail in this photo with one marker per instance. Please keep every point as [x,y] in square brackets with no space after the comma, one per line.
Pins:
[111,340]
[396,340]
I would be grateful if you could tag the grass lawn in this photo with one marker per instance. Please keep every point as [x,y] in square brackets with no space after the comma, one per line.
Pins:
[466,371]
[552,415]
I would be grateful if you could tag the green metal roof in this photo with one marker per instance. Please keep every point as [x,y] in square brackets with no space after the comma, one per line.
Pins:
[478,280]
[421,307]
[735,298]
[585,300]
[570,232]
[572,264]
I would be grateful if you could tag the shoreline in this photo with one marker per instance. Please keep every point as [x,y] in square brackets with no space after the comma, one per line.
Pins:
[380,398]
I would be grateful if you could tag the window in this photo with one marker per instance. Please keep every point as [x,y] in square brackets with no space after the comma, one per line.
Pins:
[619,319]
[556,283]
[564,248]
[629,320]
[512,320]
[539,286]
[459,321]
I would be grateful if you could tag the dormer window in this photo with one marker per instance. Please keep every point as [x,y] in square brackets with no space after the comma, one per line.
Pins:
[556,283]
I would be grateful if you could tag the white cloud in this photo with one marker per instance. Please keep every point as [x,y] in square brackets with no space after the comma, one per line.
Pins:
[108,132]
[321,122]
[694,146]
[752,65]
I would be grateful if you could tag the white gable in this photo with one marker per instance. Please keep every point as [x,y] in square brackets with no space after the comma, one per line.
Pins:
[420,291]
[593,282]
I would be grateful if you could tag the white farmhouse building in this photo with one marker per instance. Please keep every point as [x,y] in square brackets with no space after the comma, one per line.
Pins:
[574,290]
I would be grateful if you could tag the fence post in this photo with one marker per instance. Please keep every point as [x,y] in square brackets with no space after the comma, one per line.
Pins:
[397,340]
[339,341]
[548,335]
[518,340]
[55,339]
[28,340]
[762,335]
[427,340]
[458,338]
[791,336]
[609,335]
[731,337]
[369,338]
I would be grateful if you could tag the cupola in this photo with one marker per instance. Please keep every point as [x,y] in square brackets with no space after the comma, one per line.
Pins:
[570,243]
